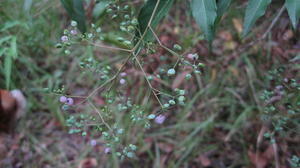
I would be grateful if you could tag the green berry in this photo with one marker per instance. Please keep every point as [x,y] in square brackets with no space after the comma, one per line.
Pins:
[166,105]
[171,72]
[151,116]
[73,23]
[177,47]
[188,76]
[172,102]
[181,92]
[181,98]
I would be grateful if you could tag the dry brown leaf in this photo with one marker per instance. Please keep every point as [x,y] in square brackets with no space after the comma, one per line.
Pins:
[213,75]
[204,160]
[262,159]
[238,25]
[88,163]
[234,71]
[225,35]
[288,35]
[230,45]
[166,147]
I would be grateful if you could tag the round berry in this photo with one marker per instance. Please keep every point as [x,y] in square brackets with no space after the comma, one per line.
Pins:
[171,72]
[63,99]
[70,101]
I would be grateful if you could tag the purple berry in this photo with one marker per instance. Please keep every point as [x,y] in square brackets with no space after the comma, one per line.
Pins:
[73,32]
[107,150]
[70,101]
[122,81]
[123,74]
[160,119]
[63,99]
[93,142]
[64,39]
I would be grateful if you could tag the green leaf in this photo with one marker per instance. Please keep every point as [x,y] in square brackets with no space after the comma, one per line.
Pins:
[146,12]
[12,24]
[13,47]
[255,9]
[293,8]
[76,11]
[205,13]
[8,59]
[4,39]
[100,8]
[27,5]
[222,5]
[2,51]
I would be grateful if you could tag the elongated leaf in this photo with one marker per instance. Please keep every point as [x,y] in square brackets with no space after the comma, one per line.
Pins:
[4,39]
[146,13]
[205,13]
[27,5]
[222,5]
[76,11]
[255,9]
[2,51]
[8,59]
[293,8]
[100,8]
[13,47]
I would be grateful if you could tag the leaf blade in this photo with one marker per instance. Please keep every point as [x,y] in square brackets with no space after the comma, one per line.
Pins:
[76,11]
[205,14]
[255,9]
[146,13]
[293,8]
[222,5]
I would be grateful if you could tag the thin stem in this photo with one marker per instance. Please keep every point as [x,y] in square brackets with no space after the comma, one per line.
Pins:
[101,117]
[109,47]
[148,25]
[149,84]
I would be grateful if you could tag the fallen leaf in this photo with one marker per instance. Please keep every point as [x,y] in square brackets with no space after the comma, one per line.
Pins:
[237,23]
[88,163]
[225,35]
[204,160]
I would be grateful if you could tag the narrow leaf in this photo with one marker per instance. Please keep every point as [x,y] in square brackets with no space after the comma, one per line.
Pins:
[27,5]
[100,8]
[2,51]
[8,59]
[146,13]
[4,39]
[222,5]
[205,13]
[293,8]
[76,11]
[255,9]
[13,45]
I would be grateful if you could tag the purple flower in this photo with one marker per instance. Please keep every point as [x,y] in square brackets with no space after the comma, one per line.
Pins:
[192,56]
[123,74]
[122,81]
[64,39]
[93,142]
[279,87]
[70,101]
[107,150]
[63,99]
[160,119]
[73,32]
